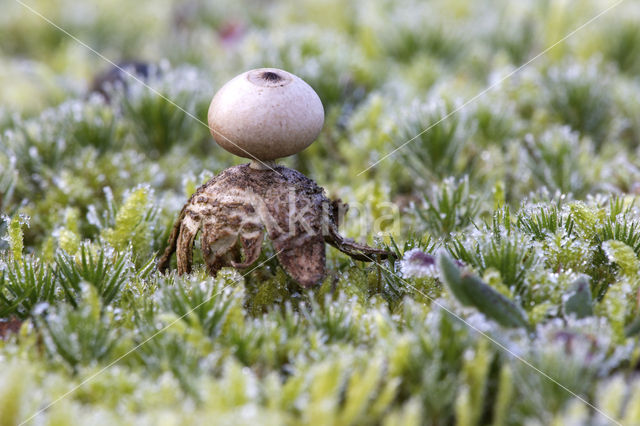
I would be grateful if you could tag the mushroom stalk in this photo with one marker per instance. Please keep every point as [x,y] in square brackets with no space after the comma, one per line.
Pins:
[262,165]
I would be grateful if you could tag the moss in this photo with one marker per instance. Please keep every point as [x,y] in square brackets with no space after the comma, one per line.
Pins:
[16,236]
[131,225]
[531,185]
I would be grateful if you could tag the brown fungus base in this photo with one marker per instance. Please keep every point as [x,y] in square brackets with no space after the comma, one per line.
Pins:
[235,208]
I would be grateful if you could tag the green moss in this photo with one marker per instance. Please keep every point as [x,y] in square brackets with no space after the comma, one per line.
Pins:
[16,236]
[131,224]
[531,185]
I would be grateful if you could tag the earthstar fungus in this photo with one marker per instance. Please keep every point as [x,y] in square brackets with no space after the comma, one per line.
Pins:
[263,115]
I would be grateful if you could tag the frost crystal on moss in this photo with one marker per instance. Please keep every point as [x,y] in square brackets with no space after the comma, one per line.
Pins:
[418,264]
